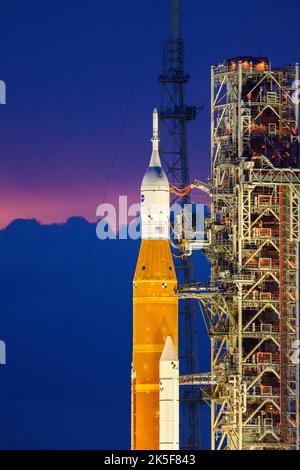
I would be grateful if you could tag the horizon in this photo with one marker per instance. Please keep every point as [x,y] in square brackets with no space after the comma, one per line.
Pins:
[78,134]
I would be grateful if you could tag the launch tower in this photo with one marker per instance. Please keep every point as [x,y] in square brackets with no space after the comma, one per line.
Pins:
[250,306]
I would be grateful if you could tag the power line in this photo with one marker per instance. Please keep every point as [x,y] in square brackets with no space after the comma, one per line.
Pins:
[123,7]
[246,25]
[130,95]
[93,238]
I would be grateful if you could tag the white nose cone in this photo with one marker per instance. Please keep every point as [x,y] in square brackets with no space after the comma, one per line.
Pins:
[155,194]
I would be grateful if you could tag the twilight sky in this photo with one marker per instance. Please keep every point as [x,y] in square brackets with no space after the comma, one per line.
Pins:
[81,83]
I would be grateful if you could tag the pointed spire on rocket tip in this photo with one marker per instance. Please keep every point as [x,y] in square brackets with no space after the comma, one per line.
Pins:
[155,158]
[155,137]
[169,352]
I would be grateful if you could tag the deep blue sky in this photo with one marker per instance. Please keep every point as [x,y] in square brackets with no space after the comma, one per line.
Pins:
[81,85]
[82,82]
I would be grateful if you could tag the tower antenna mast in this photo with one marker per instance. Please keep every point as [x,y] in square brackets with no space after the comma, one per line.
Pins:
[175,115]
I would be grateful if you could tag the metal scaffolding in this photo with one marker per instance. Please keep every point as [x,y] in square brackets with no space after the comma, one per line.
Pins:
[250,307]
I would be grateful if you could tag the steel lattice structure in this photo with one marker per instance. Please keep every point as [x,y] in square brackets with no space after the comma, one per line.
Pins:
[250,307]
[175,115]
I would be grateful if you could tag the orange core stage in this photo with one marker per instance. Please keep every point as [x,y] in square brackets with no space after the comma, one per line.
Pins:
[155,317]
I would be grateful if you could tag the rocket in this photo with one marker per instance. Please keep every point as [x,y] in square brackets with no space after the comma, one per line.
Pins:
[154,377]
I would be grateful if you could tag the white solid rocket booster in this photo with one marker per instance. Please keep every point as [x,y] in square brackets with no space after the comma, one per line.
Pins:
[169,397]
